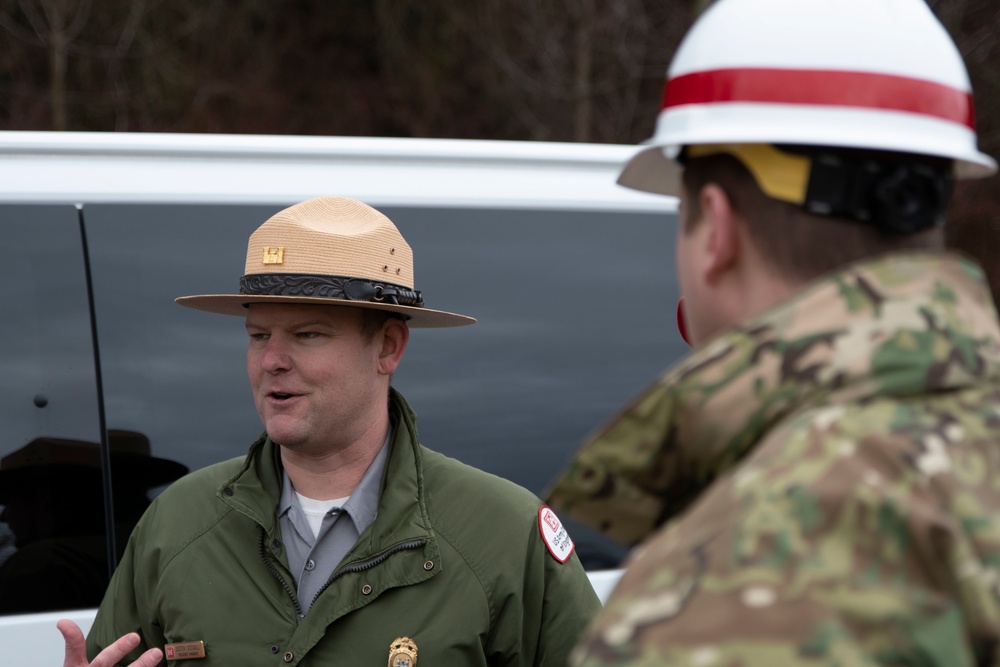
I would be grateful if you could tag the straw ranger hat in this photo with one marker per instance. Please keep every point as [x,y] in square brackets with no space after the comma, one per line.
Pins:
[329,251]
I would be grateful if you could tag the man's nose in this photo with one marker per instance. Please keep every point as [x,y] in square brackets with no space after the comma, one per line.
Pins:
[275,356]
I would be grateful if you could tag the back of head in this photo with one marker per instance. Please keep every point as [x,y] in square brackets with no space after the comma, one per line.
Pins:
[842,206]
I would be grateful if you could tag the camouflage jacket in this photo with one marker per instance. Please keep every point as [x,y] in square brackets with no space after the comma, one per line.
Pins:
[824,483]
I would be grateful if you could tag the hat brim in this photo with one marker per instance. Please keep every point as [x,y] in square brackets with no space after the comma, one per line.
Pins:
[237,304]
[650,170]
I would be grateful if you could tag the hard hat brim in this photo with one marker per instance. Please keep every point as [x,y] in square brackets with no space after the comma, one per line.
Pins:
[651,170]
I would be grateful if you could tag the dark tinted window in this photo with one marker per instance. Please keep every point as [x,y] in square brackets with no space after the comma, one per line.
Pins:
[175,374]
[50,481]
[575,316]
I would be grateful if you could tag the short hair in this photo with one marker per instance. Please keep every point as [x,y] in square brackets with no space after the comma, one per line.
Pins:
[371,320]
[797,245]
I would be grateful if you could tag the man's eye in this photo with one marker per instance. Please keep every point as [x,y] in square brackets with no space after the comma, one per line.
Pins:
[307,334]
[258,336]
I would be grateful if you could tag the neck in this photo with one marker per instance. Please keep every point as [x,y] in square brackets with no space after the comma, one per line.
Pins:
[336,472]
[754,288]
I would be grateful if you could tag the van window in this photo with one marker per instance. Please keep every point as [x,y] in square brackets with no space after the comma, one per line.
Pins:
[52,539]
[575,315]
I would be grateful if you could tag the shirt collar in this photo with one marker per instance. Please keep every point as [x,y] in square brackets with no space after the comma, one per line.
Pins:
[362,506]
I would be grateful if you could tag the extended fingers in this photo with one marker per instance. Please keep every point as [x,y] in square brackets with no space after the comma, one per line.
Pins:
[111,655]
[118,650]
[76,649]
[150,658]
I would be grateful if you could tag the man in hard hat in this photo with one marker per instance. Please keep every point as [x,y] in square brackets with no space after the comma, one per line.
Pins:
[339,539]
[817,484]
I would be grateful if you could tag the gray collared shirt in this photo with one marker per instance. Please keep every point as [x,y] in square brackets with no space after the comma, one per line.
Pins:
[313,559]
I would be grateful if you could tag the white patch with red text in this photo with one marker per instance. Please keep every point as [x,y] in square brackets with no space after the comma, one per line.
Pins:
[554,534]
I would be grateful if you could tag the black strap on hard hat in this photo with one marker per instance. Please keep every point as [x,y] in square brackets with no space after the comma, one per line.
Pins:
[900,194]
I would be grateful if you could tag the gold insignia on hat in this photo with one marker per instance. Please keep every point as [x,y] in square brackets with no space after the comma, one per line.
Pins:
[403,652]
[274,255]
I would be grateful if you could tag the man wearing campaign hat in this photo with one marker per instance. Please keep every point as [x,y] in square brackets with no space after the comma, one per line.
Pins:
[817,483]
[338,539]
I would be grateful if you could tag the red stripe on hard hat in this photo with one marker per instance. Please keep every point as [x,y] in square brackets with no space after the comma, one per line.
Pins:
[822,87]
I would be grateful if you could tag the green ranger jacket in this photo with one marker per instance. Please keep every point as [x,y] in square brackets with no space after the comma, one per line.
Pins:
[822,484]
[455,562]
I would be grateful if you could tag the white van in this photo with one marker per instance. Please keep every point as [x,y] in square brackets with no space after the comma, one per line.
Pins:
[570,276]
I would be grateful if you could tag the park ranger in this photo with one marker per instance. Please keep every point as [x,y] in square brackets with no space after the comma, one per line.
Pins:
[339,538]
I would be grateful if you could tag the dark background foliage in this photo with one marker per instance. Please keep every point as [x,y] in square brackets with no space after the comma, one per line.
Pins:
[558,70]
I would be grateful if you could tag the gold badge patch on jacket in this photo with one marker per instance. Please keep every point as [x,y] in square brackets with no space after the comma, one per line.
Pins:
[403,652]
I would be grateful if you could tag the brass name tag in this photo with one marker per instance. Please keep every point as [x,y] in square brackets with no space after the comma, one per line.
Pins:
[185,651]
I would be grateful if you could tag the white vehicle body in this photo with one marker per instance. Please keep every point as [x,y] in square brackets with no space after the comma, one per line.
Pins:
[83,167]
[80,169]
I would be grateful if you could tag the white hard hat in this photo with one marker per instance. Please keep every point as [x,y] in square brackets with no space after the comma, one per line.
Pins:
[868,74]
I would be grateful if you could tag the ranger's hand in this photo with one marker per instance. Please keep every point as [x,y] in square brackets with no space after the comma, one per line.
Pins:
[76,649]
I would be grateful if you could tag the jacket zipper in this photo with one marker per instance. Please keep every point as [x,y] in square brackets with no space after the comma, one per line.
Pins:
[277,575]
[368,564]
[355,567]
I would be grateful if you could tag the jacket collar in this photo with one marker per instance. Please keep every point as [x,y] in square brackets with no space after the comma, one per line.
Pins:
[903,324]
[402,510]
[402,513]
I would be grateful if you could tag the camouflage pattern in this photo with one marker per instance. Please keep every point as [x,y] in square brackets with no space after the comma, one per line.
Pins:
[823,483]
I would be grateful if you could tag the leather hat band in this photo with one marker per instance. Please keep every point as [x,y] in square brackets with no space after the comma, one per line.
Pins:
[329,287]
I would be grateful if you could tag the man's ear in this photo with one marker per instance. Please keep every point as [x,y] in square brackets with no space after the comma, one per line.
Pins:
[723,243]
[394,337]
